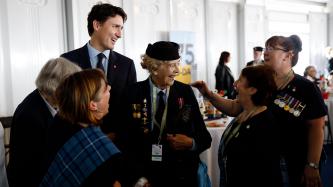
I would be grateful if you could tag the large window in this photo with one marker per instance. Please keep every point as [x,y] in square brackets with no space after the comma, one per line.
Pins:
[286,24]
[307,19]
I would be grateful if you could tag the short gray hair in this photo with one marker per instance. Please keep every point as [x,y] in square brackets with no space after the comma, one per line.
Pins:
[52,73]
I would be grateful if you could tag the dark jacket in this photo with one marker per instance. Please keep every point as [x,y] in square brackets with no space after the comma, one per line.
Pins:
[104,175]
[251,157]
[225,80]
[253,62]
[120,74]
[27,141]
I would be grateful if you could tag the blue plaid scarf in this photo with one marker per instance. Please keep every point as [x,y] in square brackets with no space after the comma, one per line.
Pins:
[78,158]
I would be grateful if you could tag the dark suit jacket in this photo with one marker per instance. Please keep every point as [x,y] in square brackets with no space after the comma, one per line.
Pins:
[252,62]
[178,168]
[120,74]
[253,157]
[27,141]
[225,80]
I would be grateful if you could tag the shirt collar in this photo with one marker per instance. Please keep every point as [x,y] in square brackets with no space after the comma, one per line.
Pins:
[156,88]
[52,110]
[94,52]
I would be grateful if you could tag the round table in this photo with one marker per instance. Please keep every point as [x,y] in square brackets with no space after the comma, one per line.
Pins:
[210,155]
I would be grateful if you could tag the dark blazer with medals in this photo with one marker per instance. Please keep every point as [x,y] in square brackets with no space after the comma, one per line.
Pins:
[120,74]
[28,140]
[183,117]
[225,80]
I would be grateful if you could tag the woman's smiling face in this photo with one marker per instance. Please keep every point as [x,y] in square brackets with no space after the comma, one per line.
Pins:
[165,75]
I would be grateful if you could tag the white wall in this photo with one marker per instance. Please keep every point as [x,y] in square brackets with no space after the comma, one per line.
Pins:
[222,31]
[286,24]
[144,26]
[5,80]
[189,15]
[254,30]
[318,41]
[77,15]
[330,22]
[149,21]
[31,33]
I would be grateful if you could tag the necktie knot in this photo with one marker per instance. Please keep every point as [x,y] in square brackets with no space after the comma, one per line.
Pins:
[160,94]
[161,101]
[100,57]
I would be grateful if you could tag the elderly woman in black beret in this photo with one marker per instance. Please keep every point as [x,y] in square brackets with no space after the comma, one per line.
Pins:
[167,132]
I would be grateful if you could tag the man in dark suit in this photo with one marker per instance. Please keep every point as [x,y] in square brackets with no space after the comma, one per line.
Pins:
[105,24]
[30,122]
[167,132]
[257,53]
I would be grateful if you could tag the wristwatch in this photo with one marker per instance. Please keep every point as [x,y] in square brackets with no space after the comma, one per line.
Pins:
[312,165]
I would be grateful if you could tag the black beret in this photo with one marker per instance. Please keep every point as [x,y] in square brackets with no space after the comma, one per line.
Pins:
[258,48]
[163,50]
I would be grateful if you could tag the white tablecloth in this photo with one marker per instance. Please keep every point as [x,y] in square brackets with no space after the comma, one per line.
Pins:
[210,155]
[329,104]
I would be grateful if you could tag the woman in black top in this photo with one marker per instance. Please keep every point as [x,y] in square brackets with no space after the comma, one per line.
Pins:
[300,110]
[223,76]
[248,154]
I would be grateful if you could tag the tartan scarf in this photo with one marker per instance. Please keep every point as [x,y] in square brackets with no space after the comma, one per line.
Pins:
[79,157]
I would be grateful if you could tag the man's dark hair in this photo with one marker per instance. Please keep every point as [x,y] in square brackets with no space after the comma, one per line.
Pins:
[101,12]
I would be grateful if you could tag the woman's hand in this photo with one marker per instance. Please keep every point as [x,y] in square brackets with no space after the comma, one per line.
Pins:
[142,182]
[116,184]
[202,87]
[311,177]
[180,141]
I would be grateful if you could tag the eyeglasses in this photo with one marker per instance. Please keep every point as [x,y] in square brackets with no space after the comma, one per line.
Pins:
[275,49]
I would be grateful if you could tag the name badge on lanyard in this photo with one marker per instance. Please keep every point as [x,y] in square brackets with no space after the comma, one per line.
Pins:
[156,149]
[156,152]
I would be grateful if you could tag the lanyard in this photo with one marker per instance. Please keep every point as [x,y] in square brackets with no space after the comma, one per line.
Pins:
[235,125]
[163,122]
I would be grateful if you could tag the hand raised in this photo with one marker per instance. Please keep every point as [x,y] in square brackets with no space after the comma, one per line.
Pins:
[201,86]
